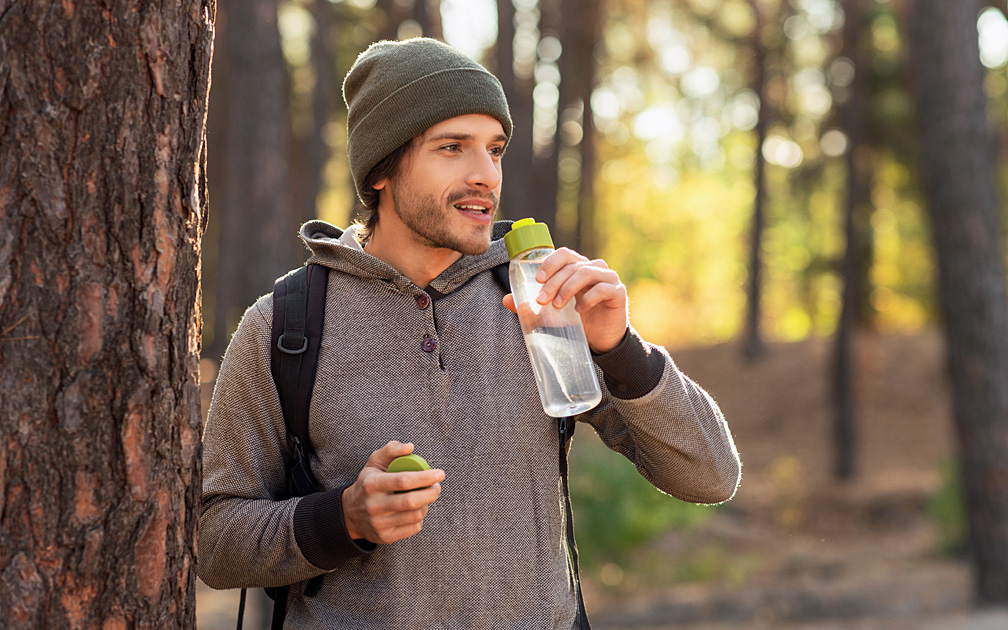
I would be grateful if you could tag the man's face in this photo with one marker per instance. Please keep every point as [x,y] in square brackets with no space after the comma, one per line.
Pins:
[447,188]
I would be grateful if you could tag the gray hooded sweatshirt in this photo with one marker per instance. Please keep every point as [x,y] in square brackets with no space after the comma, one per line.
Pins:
[445,368]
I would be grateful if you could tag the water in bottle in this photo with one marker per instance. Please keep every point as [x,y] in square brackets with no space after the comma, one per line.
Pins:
[555,338]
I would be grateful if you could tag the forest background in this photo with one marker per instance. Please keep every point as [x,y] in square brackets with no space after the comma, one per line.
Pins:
[751,168]
[662,186]
[805,198]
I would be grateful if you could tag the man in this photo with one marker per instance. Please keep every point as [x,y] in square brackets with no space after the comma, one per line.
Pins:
[419,354]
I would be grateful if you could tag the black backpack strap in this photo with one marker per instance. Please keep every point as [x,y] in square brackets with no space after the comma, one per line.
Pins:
[565,430]
[296,335]
[500,273]
[298,315]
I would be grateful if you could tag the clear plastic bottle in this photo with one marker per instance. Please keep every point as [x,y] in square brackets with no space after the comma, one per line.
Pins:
[561,360]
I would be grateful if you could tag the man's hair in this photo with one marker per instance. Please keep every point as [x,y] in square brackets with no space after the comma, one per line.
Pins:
[367,209]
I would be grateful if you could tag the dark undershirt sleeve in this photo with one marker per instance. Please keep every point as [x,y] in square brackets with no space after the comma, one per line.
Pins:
[321,533]
[631,369]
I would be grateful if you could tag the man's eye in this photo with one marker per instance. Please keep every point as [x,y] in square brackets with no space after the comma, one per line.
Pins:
[454,147]
[497,151]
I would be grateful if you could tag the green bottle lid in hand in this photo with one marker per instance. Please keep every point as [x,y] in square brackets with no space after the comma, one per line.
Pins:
[408,463]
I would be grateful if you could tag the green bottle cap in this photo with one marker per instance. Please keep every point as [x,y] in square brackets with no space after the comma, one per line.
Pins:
[526,234]
[408,463]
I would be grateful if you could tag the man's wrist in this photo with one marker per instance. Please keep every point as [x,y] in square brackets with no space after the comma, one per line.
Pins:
[633,368]
[320,530]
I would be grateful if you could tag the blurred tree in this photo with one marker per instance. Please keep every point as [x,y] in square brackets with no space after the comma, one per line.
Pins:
[102,207]
[548,79]
[402,19]
[325,91]
[958,153]
[517,195]
[855,260]
[258,226]
[753,345]
[579,37]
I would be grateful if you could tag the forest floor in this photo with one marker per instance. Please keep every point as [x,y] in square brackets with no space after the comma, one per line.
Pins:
[796,548]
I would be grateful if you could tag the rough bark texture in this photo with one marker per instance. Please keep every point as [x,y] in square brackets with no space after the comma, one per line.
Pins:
[962,202]
[101,210]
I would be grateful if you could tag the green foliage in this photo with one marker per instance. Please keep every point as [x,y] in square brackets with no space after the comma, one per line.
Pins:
[948,510]
[615,509]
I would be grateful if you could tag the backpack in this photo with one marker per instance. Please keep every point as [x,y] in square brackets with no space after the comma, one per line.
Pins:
[299,300]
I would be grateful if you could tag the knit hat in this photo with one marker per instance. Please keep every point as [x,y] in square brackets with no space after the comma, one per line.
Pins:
[397,90]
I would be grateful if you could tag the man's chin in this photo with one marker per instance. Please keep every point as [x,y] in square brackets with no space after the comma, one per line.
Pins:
[474,249]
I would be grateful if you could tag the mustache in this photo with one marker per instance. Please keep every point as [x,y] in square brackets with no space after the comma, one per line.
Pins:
[459,195]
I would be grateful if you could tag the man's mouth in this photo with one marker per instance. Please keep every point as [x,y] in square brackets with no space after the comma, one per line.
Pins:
[473,208]
[482,207]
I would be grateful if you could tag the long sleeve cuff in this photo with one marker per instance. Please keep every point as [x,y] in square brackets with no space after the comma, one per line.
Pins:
[321,533]
[631,369]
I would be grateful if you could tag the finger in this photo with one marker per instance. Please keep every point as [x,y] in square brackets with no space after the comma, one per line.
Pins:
[556,261]
[604,293]
[509,303]
[586,277]
[388,536]
[383,457]
[396,525]
[556,280]
[399,518]
[411,480]
[413,500]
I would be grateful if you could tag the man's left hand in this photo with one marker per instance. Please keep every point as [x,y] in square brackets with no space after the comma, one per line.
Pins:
[601,298]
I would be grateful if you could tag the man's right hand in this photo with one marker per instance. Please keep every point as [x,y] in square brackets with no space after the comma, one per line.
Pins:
[373,510]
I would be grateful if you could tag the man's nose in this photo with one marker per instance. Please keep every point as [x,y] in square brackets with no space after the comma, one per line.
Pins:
[485,171]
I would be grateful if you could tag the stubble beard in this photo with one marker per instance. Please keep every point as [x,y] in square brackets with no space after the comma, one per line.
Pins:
[430,224]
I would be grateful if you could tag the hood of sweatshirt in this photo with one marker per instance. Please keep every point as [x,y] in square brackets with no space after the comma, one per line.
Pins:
[339,249]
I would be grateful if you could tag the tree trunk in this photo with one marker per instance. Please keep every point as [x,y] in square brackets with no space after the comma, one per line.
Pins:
[962,202]
[323,95]
[578,33]
[517,197]
[393,14]
[545,159]
[753,345]
[428,14]
[855,230]
[591,34]
[101,212]
[258,237]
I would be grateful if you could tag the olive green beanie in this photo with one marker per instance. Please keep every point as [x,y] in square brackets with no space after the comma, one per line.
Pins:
[397,90]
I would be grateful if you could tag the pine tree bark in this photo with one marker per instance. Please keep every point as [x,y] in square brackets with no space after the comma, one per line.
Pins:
[101,213]
[958,152]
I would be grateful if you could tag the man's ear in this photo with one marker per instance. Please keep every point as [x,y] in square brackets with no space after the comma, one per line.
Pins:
[380,184]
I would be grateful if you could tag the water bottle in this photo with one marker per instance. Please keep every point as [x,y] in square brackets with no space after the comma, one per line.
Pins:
[561,360]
